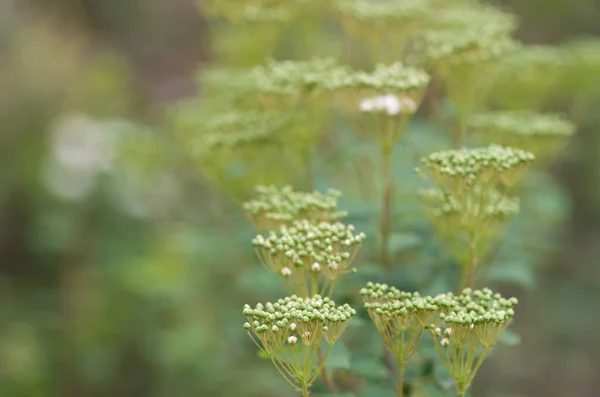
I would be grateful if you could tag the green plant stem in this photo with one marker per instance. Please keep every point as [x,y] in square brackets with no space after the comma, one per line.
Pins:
[461,393]
[310,177]
[328,381]
[472,264]
[386,205]
[400,378]
[304,390]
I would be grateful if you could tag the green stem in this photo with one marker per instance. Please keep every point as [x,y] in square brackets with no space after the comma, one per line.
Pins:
[386,206]
[304,390]
[472,264]
[461,393]
[310,177]
[400,379]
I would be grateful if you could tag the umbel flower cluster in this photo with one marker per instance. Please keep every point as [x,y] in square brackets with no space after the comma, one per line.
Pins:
[291,332]
[469,325]
[464,327]
[541,134]
[487,167]
[472,187]
[309,257]
[275,207]
[400,317]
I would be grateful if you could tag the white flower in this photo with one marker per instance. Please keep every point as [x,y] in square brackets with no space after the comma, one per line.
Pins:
[333,266]
[367,105]
[292,340]
[316,267]
[472,326]
[293,326]
[448,331]
[438,331]
[286,272]
[445,342]
[391,104]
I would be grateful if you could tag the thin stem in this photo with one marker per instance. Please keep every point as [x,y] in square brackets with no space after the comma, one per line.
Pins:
[324,374]
[472,264]
[304,390]
[310,177]
[400,378]
[386,206]
[461,393]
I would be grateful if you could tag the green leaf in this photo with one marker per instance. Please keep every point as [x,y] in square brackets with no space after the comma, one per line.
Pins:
[339,358]
[369,367]
[340,395]
[510,338]
[378,391]
[400,242]
[518,273]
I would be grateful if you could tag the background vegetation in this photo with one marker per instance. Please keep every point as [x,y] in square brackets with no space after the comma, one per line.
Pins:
[125,275]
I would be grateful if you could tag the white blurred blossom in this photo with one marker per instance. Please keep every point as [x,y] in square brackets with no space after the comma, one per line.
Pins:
[390,104]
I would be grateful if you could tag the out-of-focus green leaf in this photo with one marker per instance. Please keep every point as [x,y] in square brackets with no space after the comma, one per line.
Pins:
[339,358]
[378,391]
[400,242]
[369,367]
[510,338]
[516,272]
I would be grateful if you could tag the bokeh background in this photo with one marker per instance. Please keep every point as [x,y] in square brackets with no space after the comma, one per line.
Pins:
[125,275]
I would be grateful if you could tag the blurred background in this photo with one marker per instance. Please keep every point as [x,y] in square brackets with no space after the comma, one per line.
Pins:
[125,275]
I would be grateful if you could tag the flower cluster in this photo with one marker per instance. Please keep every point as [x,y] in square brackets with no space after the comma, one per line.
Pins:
[305,252]
[395,78]
[369,12]
[469,325]
[472,15]
[465,47]
[291,331]
[275,207]
[488,166]
[540,134]
[400,317]
[297,78]
[527,77]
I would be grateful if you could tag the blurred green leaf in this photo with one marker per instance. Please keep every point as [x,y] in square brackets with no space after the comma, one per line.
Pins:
[369,367]
[514,272]
[510,338]
[378,391]
[400,242]
[339,358]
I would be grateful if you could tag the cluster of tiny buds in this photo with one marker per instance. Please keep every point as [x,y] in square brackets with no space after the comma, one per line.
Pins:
[389,301]
[396,78]
[291,77]
[369,11]
[476,307]
[391,105]
[306,243]
[470,163]
[290,313]
[467,46]
[522,123]
[286,204]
